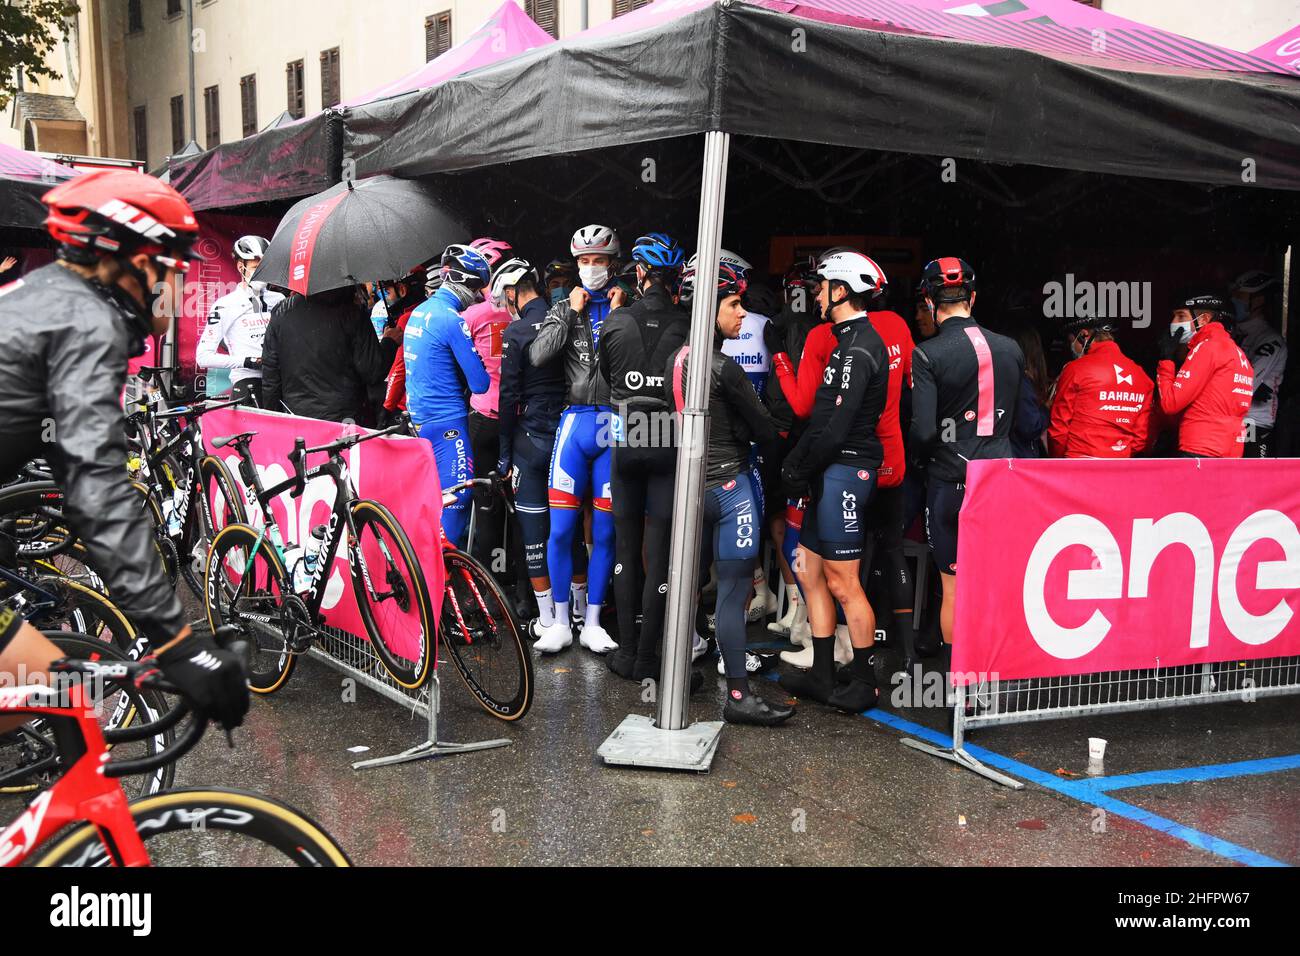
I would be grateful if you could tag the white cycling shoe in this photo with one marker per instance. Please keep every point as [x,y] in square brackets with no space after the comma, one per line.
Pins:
[804,658]
[699,646]
[762,604]
[753,664]
[596,639]
[794,615]
[554,638]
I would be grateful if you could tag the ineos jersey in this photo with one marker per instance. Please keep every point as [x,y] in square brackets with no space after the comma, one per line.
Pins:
[634,347]
[736,416]
[238,320]
[965,385]
[848,405]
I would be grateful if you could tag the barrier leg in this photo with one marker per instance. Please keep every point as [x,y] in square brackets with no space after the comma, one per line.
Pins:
[957,752]
[432,747]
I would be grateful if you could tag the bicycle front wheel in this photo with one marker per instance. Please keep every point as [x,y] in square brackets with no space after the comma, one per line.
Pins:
[483,639]
[209,828]
[391,594]
[245,583]
[224,503]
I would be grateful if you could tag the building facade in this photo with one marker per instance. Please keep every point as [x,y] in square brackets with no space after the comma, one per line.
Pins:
[125,90]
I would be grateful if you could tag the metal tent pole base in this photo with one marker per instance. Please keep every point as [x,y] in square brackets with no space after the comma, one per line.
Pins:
[959,756]
[637,742]
[432,746]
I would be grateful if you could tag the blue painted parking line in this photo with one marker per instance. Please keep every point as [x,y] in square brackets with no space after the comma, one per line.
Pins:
[1048,781]
[1218,771]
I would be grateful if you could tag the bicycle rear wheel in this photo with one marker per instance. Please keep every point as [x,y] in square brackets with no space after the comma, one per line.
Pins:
[484,642]
[225,503]
[209,828]
[245,583]
[118,706]
[391,594]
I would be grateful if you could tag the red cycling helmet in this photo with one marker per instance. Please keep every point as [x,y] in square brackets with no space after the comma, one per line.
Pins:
[948,279]
[111,212]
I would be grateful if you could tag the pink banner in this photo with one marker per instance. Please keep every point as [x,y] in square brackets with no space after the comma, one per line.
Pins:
[399,473]
[1282,51]
[1074,567]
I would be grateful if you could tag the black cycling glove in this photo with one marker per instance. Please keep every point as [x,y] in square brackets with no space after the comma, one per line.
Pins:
[210,678]
[1167,346]
[773,338]
[253,361]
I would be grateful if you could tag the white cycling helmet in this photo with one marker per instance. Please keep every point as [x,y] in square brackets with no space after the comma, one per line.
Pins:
[507,274]
[860,273]
[250,247]
[595,239]
[725,257]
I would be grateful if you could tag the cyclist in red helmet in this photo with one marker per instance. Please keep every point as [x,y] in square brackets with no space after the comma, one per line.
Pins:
[124,238]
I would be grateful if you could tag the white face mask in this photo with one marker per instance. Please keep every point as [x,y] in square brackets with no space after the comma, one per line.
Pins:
[1184,330]
[593,277]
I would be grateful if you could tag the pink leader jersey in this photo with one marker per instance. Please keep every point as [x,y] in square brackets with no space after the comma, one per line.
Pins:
[487,324]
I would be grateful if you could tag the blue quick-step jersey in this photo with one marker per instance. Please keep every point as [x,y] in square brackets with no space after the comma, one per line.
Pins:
[441,364]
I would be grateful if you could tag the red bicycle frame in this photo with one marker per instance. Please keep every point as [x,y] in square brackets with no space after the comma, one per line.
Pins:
[83,793]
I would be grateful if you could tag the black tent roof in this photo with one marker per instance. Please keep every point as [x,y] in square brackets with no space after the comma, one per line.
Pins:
[735,67]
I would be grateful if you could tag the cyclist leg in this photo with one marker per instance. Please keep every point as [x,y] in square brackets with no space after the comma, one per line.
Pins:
[818,682]
[489,512]
[25,658]
[943,502]
[654,593]
[451,450]
[601,566]
[568,483]
[532,467]
[628,485]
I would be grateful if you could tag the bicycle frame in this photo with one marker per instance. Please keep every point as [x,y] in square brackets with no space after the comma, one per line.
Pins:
[336,469]
[82,793]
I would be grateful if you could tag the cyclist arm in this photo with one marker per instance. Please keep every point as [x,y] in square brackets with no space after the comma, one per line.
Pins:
[553,334]
[751,414]
[85,378]
[1058,430]
[272,394]
[509,395]
[372,358]
[1179,388]
[214,334]
[395,394]
[925,406]
[1269,364]
[471,366]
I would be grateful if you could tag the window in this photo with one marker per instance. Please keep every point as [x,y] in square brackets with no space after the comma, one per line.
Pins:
[134,17]
[248,103]
[173,8]
[211,117]
[293,72]
[546,14]
[141,120]
[437,34]
[329,77]
[627,6]
[178,123]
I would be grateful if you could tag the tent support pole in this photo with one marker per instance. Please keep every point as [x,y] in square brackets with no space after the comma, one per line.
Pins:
[668,741]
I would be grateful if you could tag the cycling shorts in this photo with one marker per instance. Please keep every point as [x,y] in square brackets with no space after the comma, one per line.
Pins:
[835,525]
[942,504]
[580,458]
[731,510]
[885,516]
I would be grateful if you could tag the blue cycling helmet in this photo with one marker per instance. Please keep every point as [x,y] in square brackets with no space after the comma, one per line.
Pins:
[658,250]
[466,266]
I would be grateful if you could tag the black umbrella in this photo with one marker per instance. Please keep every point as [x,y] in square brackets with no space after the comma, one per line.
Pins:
[377,228]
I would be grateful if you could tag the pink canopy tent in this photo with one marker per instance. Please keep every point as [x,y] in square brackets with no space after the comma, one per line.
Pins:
[1060,28]
[1282,51]
[20,164]
[506,32]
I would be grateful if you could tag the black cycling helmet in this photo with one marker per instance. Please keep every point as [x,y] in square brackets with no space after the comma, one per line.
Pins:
[1197,300]
[947,280]
[1080,322]
[565,269]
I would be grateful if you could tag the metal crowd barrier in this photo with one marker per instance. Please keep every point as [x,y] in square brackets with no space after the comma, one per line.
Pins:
[997,703]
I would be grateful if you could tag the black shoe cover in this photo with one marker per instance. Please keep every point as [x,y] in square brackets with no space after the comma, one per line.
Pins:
[752,709]
[622,663]
[855,696]
[805,686]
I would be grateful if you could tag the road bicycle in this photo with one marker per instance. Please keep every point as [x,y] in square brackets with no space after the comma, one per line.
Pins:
[29,755]
[478,627]
[182,827]
[190,496]
[275,589]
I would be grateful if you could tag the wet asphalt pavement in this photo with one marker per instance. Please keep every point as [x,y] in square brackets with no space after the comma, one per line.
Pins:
[827,788]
